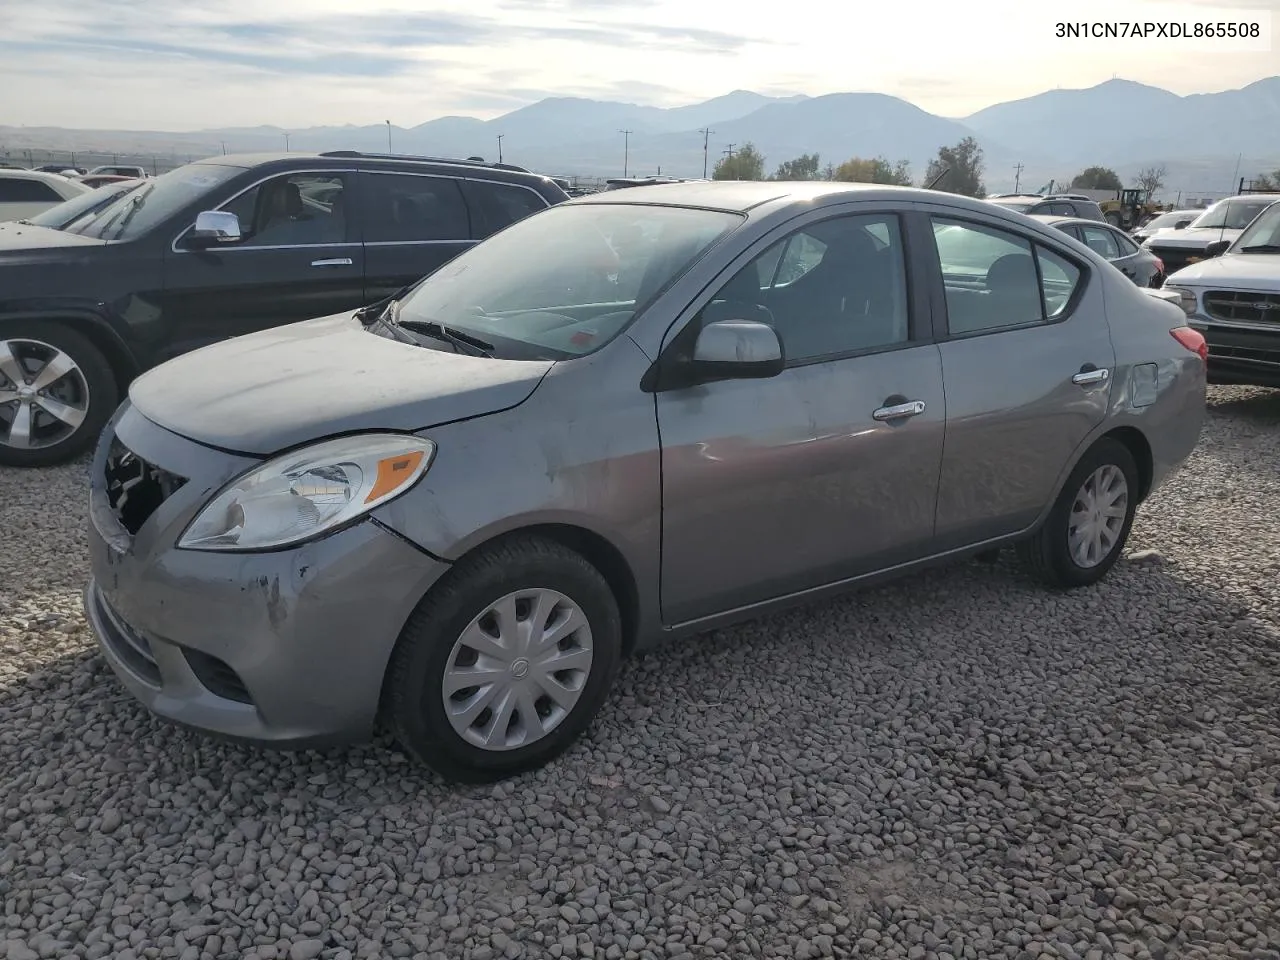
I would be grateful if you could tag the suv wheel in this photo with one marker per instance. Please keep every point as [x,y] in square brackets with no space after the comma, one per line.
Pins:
[505,662]
[1089,524]
[56,393]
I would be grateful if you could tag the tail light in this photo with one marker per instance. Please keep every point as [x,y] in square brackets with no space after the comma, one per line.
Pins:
[1193,340]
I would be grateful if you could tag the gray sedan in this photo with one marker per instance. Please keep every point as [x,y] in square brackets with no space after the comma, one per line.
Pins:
[630,418]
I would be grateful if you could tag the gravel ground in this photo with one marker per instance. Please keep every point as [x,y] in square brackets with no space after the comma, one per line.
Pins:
[958,765]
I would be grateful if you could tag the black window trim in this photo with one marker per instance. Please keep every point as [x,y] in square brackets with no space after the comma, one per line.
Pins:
[945,335]
[921,315]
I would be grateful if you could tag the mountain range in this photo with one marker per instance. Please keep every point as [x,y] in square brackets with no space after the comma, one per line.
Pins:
[1119,124]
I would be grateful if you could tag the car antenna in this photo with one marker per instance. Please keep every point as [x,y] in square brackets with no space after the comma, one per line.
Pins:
[938,178]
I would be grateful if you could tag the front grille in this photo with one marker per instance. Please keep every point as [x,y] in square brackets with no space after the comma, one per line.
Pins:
[136,488]
[1243,306]
[217,676]
[131,647]
[1251,354]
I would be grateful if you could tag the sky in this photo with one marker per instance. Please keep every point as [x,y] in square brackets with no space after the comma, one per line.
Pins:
[198,64]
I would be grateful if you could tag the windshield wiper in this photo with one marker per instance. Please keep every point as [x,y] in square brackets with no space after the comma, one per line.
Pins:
[1261,248]
[451,335]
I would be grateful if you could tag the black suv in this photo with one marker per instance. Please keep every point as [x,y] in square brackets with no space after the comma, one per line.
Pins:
[214,249]
[1055,205]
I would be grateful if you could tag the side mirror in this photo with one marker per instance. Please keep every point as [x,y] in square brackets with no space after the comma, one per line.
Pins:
[737,350]
[214,227]
[1217,248]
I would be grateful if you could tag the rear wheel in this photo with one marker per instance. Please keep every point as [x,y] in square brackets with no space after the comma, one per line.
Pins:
[505,662]
[1089,524]
[57,391]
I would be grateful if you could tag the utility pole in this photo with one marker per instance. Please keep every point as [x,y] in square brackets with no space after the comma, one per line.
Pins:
[626,149]
[388,136]
[1017,177]
[286,143]
[223,142]
[500,136]
[706,139]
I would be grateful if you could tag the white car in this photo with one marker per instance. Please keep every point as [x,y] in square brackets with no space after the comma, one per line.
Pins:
[25,193]
[1208,233]
[116,170]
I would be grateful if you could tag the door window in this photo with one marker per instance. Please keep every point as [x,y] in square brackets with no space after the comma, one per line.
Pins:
[299,209]
[994,280]
[404,208]
[21,190]
[1100,241]
[501,204]
[835,287]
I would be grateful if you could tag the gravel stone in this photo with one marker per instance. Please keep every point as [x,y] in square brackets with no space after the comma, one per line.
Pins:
[958,766]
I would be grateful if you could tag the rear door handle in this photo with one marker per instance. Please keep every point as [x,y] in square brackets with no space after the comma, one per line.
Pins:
[900,411]
[335,262]
[1086,377]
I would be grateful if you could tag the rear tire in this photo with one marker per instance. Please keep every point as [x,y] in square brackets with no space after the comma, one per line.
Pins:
[485,622]
[57,391]
[1085,532]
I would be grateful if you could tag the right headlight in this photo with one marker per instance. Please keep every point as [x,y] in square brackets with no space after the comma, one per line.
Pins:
[309,492]
[1186,299]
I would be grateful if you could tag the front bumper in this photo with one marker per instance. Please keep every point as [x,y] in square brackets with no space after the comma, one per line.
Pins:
[287,647]
[1240,354]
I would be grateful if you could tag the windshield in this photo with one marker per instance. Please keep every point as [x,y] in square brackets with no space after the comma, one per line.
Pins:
[64,214]
[156,200]
[566,281]
[1165,220]
[1263,235]
[1233,214]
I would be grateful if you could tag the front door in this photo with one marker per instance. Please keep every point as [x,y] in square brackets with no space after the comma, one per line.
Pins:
[298,259]
[1028,363]
[412,224]
[829,469]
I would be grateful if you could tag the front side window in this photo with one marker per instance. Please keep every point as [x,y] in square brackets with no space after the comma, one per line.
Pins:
[835,287]
[297,209]
[403,208]
[1100,241]
[566,282]
[155,201]
[995,279]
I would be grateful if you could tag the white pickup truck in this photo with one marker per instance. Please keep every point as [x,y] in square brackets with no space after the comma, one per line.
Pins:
[1219,225]
[1234,300]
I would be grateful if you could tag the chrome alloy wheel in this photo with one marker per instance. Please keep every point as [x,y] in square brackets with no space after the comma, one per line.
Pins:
[518,670]
[44,396]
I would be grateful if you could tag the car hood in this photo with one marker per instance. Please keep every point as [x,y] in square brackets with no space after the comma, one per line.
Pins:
[16,238]
[1196,239]
[1252,271]
[264,392]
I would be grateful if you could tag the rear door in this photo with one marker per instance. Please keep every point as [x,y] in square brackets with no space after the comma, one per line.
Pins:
[412,224]
[1027,358]
[299,259]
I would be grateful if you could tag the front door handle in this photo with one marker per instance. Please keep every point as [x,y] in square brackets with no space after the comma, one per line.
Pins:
[1096,375]
[900,411]
[335,262]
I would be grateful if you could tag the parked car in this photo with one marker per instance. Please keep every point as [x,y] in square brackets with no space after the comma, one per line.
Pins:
[459,508]
[1054,205]
[1172,220]
[215,249]
[119,170]
[622,183]
[102,179]
[1208,234]
[72,213]
[1141,266]
[25,193]
[1234,300]
[65,169]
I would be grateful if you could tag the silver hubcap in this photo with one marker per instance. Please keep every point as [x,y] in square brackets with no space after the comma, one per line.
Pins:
[518,670]
[1097,516]
[44,396]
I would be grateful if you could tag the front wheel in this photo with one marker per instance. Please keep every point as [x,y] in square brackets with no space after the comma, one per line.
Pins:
[57,391]
[1089,524]
[505,662]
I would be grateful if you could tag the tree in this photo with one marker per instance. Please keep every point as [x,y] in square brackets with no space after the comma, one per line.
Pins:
[963,163]
[803,167]
[1267,181]
[1097,178]
[877,170]
[745,163]
[1152,179]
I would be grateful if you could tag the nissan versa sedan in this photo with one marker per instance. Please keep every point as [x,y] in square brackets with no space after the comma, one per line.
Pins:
[456,511]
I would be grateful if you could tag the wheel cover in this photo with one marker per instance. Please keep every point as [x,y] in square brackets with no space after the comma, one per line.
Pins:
[1097,516]
[44,396]
[518,670]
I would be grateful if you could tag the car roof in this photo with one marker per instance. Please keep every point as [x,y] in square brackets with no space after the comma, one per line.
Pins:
[344,158]
[34,175]
[741,196]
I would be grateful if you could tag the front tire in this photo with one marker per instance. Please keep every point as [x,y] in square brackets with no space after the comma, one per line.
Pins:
[57,391]
[505,662]
[1089,524]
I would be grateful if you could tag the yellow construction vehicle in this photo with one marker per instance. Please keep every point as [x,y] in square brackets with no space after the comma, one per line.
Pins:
[1129,209]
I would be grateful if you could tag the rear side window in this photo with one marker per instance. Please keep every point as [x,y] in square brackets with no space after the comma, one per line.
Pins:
[1101,241]
[16,190]
[405,208]
[498,205]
